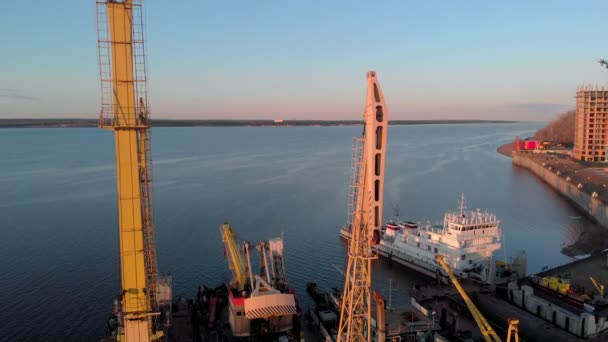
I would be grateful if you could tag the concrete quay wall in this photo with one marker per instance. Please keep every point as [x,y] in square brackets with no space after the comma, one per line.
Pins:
[590,205]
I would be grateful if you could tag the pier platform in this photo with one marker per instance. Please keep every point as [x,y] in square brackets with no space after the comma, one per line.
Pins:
[579,271]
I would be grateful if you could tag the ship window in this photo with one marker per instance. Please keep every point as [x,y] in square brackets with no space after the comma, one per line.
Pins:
[462,257]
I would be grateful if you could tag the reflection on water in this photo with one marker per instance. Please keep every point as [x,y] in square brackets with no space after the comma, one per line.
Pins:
[59,273]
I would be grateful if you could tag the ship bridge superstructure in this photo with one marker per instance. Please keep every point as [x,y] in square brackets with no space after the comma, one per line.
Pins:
[466,241]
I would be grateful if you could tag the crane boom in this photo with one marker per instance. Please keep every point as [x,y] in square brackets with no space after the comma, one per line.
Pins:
[236,262]
[598,286]
[124,111]
[367,198]
[486,329]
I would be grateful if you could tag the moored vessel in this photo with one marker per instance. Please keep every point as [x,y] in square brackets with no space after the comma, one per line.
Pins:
[467,239]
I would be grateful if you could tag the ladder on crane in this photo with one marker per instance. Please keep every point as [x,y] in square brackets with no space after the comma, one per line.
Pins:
[124,110]
[365,216]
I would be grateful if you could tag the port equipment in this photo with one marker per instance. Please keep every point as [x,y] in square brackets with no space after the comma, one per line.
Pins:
[365,216]
[380,316]
[556,284]
[235,257]
[254,297]
[513,329]
[486,329]
[124,110]
[272,264]
[598,286]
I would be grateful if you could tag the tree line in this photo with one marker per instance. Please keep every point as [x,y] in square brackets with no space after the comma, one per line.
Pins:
[559,130]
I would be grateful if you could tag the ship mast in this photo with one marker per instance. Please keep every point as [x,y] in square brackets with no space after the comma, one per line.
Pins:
[124,110]
[461,205]
[367,199]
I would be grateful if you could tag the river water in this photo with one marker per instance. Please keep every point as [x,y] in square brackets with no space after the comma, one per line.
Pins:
[59,249]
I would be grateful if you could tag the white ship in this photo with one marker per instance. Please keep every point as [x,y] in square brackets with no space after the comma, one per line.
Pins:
[467,240]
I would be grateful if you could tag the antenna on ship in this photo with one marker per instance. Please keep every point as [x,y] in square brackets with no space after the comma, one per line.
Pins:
[462,205]
[396,209]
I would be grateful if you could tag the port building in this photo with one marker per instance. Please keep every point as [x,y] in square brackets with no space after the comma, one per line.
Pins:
[590,131]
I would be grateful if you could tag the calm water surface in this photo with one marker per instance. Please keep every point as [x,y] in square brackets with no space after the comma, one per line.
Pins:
[59,270]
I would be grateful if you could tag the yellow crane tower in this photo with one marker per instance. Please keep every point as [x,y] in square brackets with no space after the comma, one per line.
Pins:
[367,194]
[124,110]
[484,326]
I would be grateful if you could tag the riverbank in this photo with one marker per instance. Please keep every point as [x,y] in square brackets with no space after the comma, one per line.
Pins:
[585,187]
[506,149]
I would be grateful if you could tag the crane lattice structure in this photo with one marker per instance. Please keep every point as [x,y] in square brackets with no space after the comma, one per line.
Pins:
[365,217]
[124,110]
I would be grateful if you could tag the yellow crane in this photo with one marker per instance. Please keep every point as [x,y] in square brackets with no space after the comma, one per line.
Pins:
[236,262]
[598,286]
[513,329]
[484,326]
[124,110]
[367,192]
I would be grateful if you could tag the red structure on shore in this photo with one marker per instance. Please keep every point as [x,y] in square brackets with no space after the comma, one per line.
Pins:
[525,145]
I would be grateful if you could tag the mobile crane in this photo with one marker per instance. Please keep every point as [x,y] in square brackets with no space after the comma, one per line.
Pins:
[254,304]
[124,110]
[484,326]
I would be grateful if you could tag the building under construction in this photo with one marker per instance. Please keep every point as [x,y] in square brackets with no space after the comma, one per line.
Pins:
[590,131]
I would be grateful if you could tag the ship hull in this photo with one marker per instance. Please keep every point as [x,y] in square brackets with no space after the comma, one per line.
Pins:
[412,263]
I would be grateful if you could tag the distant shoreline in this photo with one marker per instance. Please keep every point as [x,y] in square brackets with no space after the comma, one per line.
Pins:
[70,123]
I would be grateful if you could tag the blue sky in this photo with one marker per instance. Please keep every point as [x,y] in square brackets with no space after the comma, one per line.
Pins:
[307,59]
